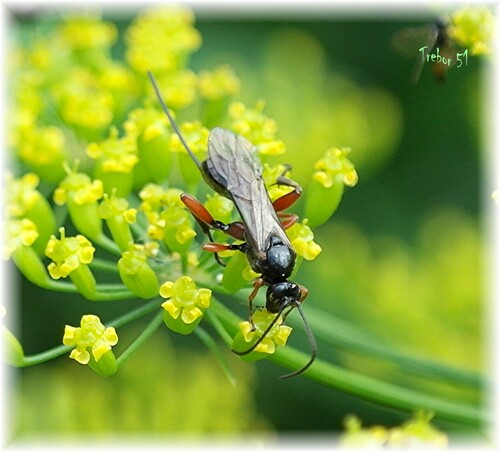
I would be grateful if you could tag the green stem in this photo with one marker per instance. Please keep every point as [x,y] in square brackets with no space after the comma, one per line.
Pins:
[62,349]
[109,292]
[104,265]
[341,333]
[380,392]
[140,340]
[107,244]
[47,355]
[361,385]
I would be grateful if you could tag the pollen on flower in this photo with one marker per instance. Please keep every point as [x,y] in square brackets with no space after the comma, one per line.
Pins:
[335,166]
[278,335]
[302,239]
[117,155]
[184,300]
[67,254]
[113,206]
[259,129]
[79,188]
[91,337]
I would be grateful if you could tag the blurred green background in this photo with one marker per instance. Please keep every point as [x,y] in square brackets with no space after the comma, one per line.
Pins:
[402,259]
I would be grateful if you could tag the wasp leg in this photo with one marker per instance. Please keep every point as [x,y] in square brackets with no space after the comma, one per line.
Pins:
[285,201]
[257,284]
[207,221]
[288,219]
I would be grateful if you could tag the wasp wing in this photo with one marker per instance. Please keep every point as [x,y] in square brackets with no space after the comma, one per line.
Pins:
[233,165]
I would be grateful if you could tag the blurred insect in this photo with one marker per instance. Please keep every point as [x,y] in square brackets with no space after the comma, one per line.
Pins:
[423,41]
[233,170]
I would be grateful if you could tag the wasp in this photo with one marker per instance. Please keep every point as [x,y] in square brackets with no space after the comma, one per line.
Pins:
[233,170]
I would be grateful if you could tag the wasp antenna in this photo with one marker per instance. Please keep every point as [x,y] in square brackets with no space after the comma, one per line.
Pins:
[171,119]
[312,342]
[264,334]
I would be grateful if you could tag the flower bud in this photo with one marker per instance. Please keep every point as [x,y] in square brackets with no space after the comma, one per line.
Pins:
[136,273]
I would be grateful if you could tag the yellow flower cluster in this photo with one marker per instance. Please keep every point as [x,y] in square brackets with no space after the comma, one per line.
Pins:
[473,28]
[336,166]
[256,127]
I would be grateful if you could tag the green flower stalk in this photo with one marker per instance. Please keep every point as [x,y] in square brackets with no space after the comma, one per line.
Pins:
[21,235]
[81,194]
[325,191]
[92,342]
[150,126]
[136,273]
[115,160]
[118,218]
[185,304]
[71,256]
[249,335]
[24,201]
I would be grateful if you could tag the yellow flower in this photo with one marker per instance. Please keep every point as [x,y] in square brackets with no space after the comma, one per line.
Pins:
[302,239]
[473,28]
[91,335]
[19,233]
[219,83]
[67,254]
[256,127]
[278,335]
[184,300]
[161,39]
[116,155]
[335,166]
[87,32]
[79,188]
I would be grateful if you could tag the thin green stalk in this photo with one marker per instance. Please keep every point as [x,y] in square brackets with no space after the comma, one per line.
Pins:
[107,244]
[140,340]
[42,357]
[104,265]
[380,392]
[341,333]
[110,292]
[364,386]
[55,352]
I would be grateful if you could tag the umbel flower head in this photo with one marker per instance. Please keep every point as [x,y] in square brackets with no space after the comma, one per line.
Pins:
[92,342]
[249,335]
[185,304]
